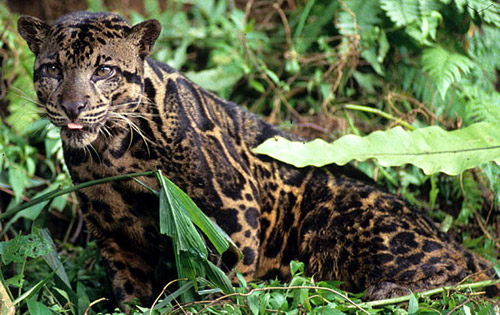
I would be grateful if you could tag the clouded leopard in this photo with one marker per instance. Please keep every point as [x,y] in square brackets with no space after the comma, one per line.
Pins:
[121,112]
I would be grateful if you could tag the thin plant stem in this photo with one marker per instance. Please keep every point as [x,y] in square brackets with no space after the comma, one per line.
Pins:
[23,267]
[379,112]
[60,192]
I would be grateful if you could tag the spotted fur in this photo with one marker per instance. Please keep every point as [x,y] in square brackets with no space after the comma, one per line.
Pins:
[121,112]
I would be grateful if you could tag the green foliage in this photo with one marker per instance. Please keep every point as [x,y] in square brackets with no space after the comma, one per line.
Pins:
[411,62]
[304,295]
[178,217]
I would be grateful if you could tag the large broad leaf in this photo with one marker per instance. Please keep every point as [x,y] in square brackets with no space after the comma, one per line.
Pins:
[33,211]
[432,149]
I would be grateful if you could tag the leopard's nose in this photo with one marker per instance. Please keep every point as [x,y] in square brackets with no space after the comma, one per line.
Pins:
[73,109]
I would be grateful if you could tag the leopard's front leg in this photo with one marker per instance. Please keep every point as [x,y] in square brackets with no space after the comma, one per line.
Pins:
[127,238]
[241,221]
[130,273]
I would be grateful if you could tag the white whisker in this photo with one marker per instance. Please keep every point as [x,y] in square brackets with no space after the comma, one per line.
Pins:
[120,117]
[20,93]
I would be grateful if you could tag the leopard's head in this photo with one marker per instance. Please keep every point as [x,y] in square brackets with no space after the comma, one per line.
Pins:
[89,70]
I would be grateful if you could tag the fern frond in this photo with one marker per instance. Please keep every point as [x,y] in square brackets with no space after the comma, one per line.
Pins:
[401,12]
[486,10]
[492,172]
[444,67]
[367,16]
[485,48]
[481,105]
[473,199]
[413,81]
[427,6]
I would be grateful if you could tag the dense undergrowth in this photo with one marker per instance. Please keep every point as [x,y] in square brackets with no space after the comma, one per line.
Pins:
[321,68]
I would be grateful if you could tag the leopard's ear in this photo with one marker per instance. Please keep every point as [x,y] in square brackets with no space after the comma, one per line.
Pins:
[33,30]
[144,36]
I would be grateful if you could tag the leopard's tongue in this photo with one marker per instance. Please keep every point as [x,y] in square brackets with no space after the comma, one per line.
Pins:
[74,126]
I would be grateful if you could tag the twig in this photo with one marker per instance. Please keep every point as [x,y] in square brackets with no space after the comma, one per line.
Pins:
[288,32]
[79,227]
[458,306]
[12,193]
[405,298]
[312,126]
[94,303]
[163,291]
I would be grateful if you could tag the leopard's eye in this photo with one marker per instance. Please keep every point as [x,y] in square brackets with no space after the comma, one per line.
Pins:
[53,71]
[102,72]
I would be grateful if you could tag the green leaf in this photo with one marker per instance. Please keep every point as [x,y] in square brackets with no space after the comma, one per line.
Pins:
[413,304]
[175,223]
[217,276]
[296,266]
[83,298]
[428,6]
[264,303]
[34,211]
[253,302]
[18,180]
[303,18]
[401,12]
[485,9]
[256,85]
[178,216]
[214,233]
[445,67]
[217,79]
[306,34]
[37,308]
[52,257]
[22,246]
[273,76]
[33,290]
[432,149]
[184,288]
